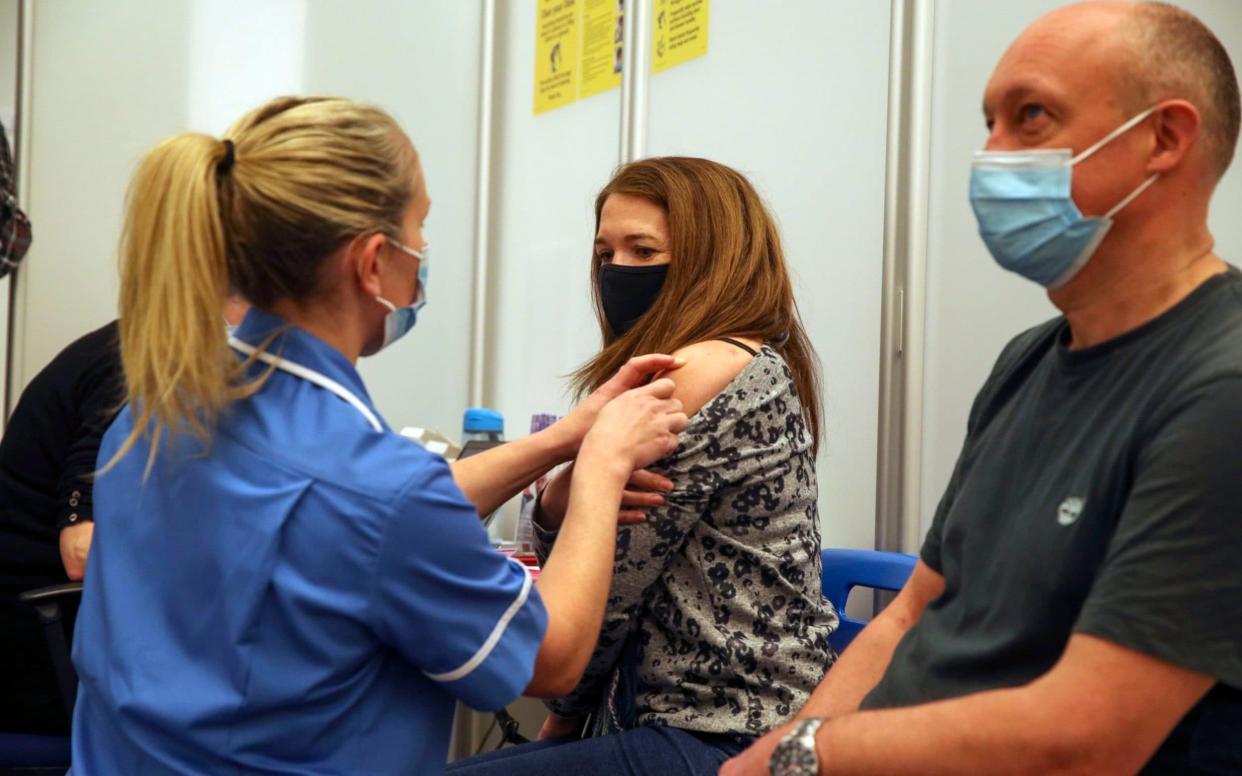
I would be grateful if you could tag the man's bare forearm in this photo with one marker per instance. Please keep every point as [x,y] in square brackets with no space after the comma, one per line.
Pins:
[997,732]
[1102,709]
[857,671]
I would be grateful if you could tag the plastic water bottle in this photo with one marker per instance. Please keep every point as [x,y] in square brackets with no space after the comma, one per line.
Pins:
[487,425]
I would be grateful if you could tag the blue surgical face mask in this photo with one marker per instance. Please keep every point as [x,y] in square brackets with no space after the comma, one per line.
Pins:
[400,320]
[1027,216]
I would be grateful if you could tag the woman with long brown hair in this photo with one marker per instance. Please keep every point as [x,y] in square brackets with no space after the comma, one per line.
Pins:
[716,630]
[280,583]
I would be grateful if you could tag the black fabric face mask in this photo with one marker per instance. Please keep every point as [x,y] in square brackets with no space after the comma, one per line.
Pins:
[629,292]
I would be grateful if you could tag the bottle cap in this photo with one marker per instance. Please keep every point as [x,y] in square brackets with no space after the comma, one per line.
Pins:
[483,419]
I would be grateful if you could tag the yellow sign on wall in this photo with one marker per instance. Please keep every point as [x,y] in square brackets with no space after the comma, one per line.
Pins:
[578,45]
[679,32]
[602,27]
[556,54]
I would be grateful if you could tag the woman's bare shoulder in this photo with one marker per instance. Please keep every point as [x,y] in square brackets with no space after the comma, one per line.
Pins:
[710,366]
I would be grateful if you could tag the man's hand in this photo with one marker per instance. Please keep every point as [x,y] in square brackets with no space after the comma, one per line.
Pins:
[75,545]
[643,491]
[754,761]
[556,726]
[635,372]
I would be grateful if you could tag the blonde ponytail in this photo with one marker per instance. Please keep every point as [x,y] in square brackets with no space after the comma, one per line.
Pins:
[174,279]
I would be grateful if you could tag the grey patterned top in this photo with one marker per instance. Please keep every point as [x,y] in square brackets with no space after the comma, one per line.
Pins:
[721,585]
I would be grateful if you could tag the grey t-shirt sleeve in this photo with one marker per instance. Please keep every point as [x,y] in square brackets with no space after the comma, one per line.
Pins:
[930,553]
[1169,586]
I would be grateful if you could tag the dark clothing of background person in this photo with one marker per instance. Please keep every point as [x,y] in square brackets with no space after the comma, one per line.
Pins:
[47,458]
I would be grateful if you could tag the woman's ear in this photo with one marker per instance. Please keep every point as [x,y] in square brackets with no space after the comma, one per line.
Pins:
[363,254]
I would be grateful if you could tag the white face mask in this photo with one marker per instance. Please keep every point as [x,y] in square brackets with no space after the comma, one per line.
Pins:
[400,320]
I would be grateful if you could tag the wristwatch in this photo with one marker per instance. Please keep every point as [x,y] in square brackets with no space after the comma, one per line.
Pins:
[795,754]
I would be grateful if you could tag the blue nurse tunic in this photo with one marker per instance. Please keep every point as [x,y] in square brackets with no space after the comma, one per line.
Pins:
[308,594]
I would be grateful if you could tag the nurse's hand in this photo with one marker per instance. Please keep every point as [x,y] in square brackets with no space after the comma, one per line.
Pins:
[635,372]
[636,429]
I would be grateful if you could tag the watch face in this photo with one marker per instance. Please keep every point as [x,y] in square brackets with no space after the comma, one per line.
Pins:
[793,758]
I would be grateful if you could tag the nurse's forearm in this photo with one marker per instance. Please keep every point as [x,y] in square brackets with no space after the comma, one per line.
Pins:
[492,477]
[574,582]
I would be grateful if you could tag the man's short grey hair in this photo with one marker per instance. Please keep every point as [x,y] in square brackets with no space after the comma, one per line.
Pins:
[1179,56]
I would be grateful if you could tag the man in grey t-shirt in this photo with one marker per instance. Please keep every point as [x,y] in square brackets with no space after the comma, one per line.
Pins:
[1078,602]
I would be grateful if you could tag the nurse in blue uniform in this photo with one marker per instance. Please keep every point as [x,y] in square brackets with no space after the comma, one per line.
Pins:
[279,583]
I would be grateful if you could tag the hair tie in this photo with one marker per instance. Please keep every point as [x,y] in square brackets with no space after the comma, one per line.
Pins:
[226,164]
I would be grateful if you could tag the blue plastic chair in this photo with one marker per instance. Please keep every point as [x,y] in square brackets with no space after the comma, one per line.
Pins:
[846,569]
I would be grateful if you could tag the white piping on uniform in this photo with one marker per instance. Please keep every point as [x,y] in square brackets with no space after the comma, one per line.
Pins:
[310,376]
[493,638]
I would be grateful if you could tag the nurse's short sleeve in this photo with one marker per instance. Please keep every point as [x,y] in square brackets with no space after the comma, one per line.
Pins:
[1169,586]
[464,614]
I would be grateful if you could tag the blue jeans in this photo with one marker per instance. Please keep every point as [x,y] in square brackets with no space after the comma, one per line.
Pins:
[645,750]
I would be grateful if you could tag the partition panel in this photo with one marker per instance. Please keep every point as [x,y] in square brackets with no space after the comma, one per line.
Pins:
[546,171]
[795,96]
[110,80]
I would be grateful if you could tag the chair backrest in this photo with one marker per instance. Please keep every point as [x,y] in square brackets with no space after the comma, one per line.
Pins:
[843,570]
[55,607]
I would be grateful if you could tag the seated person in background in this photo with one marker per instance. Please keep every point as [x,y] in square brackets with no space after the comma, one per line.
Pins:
[716,629]
[47,466]
[47,459]
[1076,608]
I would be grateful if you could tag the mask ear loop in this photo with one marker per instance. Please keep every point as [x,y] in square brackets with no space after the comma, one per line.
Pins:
[1111,136]
[1133,195]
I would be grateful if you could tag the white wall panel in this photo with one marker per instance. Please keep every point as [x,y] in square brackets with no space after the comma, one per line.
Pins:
[9,35]
[108,81]
[547,170]
[112,79]
[420,61]
[973,307]
[794,95]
